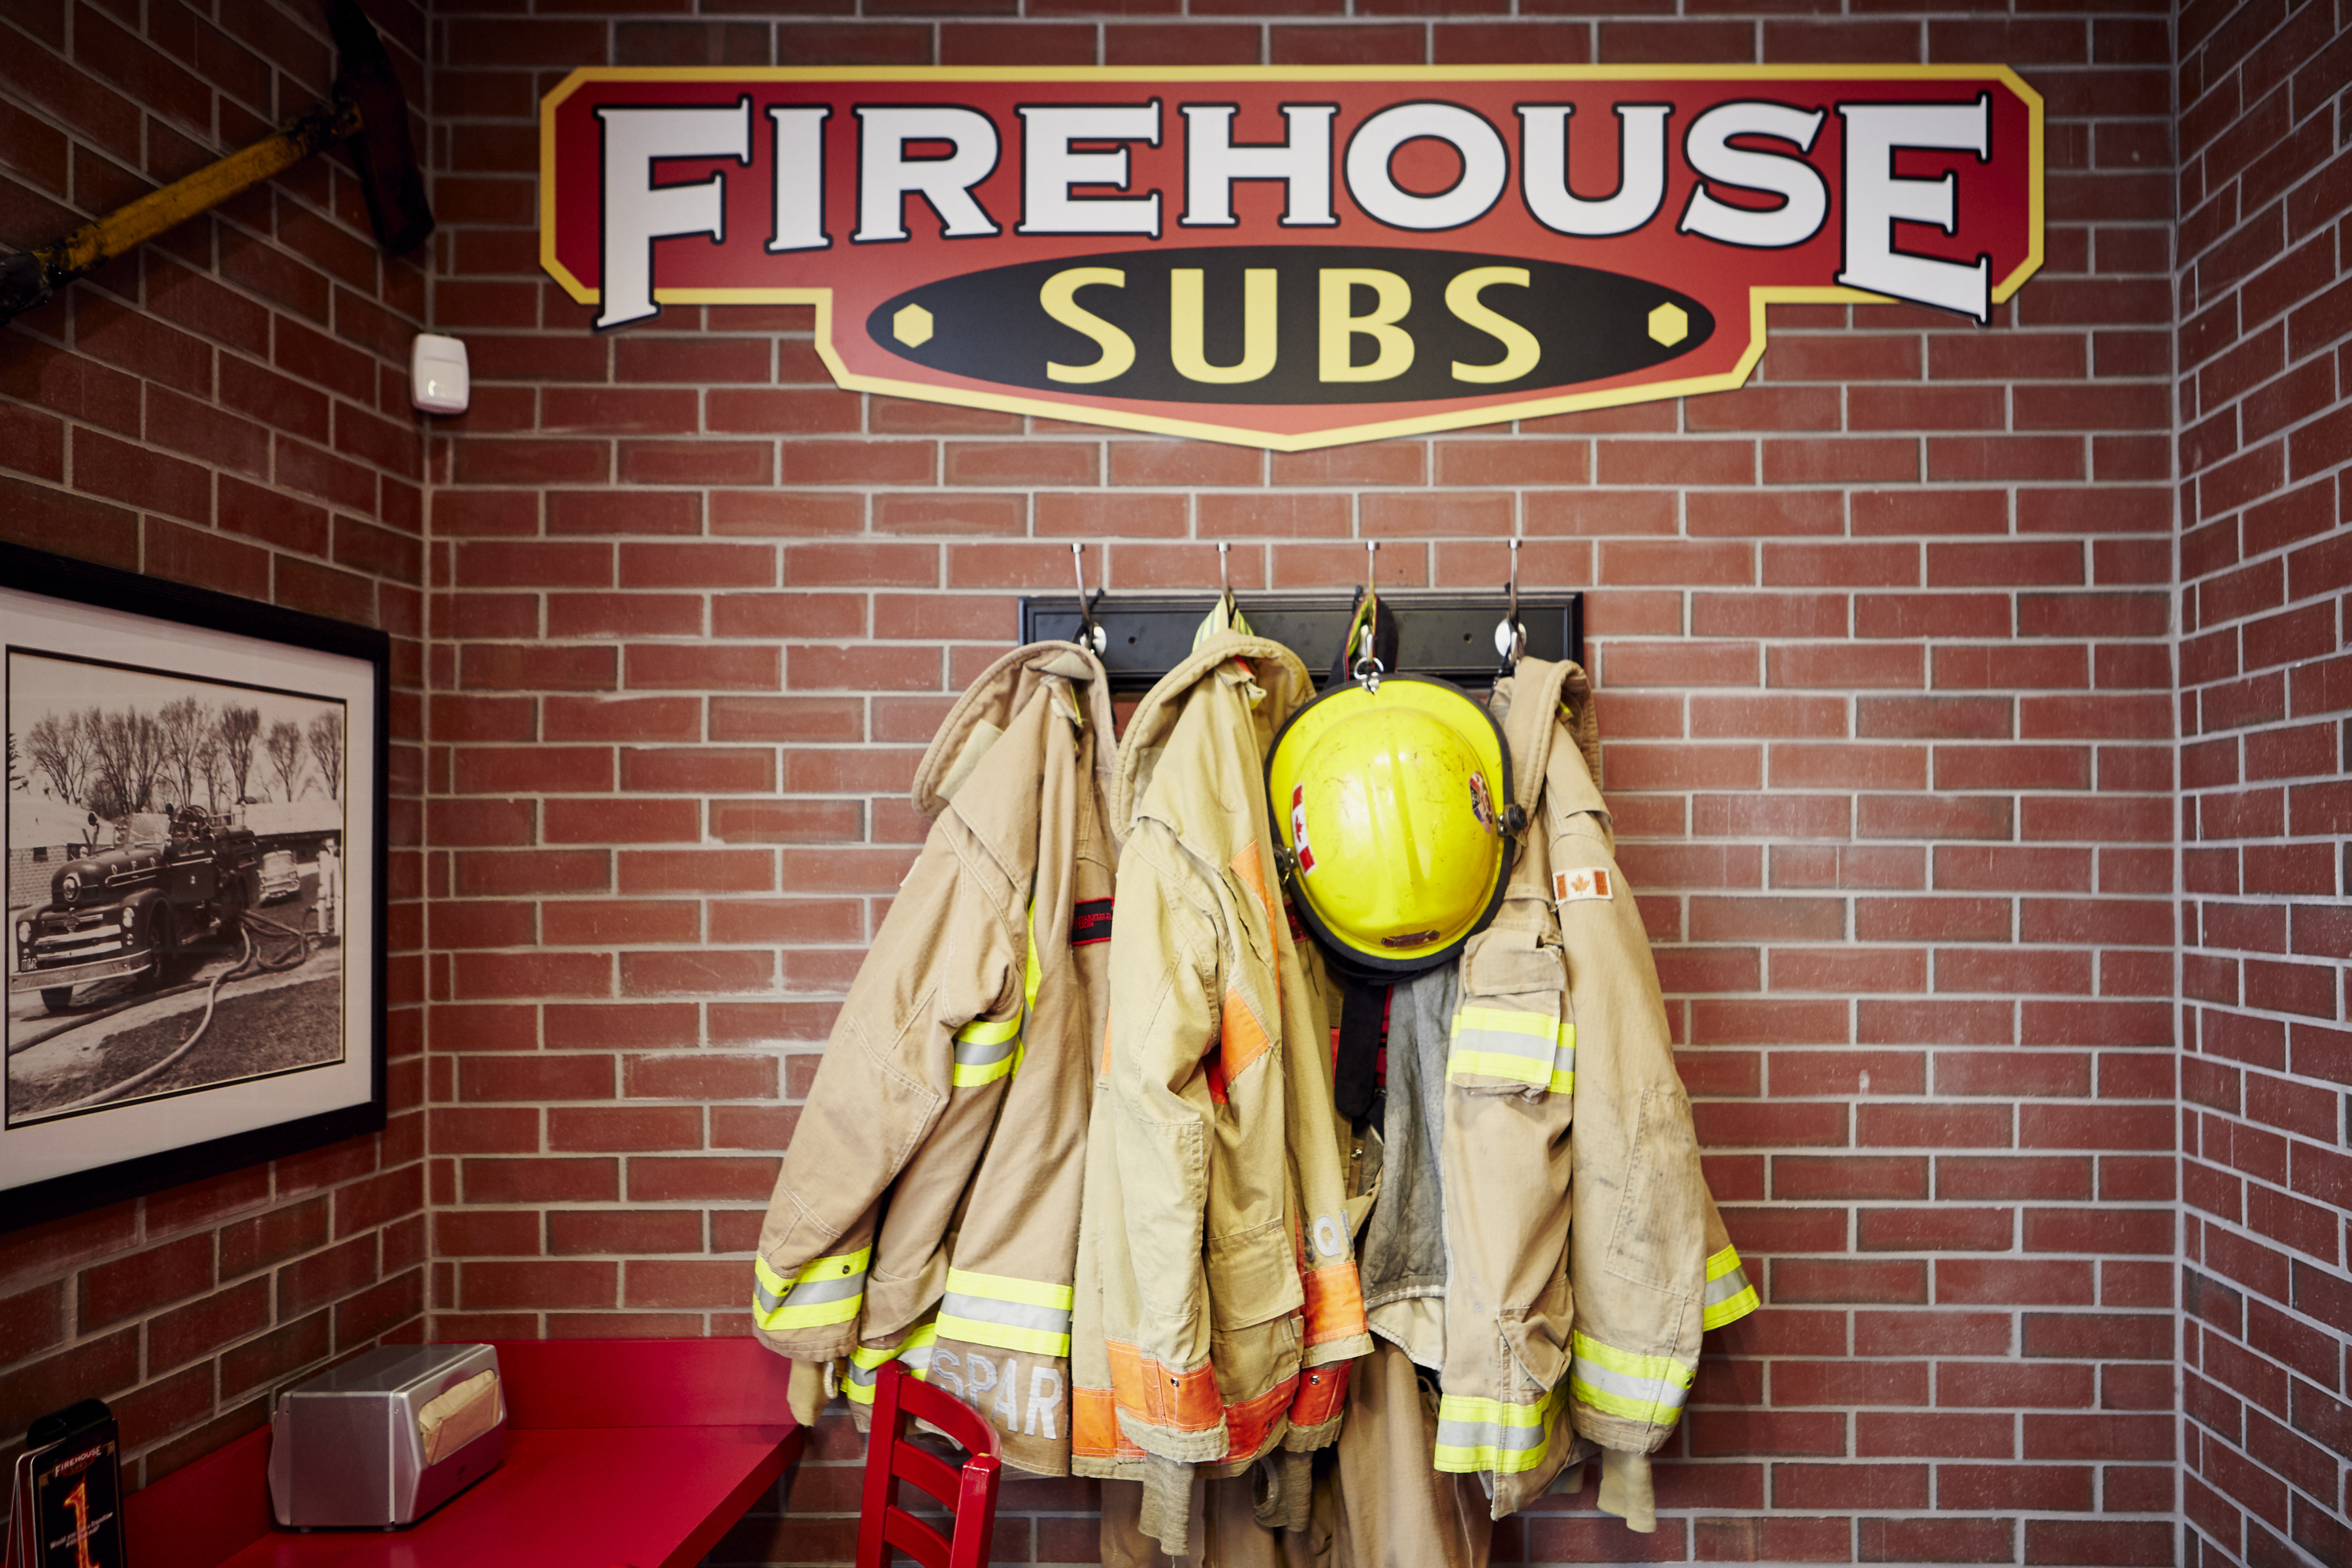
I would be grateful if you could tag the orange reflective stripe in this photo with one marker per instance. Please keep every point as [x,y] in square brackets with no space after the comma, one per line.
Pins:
[1251,869]
[1247,868]
[1180,1401]
[1335,1303]
[1241,1037]
[1094,1426]
[1249,1426]
[1321,1390]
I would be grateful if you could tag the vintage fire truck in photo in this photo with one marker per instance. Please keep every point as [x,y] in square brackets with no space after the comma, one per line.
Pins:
[172,881]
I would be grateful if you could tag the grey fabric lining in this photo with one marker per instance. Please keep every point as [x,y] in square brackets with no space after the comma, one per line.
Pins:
[1403,1253]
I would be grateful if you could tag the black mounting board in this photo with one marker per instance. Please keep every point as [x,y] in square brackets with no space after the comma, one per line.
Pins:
[1447,635]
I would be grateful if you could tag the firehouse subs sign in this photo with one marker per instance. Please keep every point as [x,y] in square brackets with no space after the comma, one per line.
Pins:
[1290,257]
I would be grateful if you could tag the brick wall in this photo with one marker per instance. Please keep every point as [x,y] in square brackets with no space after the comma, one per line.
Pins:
[2265,558]
[229,407]
[1886,649]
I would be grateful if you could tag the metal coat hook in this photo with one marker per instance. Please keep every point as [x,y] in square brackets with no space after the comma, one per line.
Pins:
[1510,637]
[1368,667]
[1091,634]
[1224,581]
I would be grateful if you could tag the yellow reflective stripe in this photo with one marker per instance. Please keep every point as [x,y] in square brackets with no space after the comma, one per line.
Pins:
[1011,1314]
[989,1031]
[1003,1336]
[1030,972]
[1477,1434]
[1730,1296]
[866,1364]
[987,1049]
[1730,1309]
[1534,1049]
[1649,1389]
[1506,1021]
[1004,1288]
[1488,1064]
[827,1289]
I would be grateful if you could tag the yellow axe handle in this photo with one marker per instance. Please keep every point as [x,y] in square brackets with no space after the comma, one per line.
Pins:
[95,243]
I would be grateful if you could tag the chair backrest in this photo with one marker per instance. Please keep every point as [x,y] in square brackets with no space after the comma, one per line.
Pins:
[968,1493]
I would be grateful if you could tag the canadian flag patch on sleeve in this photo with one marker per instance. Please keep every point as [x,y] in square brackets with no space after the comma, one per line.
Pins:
[1589,882]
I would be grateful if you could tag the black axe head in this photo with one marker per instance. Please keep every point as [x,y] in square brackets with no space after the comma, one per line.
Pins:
[389,177]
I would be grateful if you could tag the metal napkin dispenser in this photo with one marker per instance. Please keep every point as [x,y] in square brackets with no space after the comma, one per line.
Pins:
[386,1439]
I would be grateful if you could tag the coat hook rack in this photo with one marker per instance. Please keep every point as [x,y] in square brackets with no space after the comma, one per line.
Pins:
[1447,633]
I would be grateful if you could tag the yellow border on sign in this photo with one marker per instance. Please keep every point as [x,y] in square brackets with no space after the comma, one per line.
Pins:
[1760,296]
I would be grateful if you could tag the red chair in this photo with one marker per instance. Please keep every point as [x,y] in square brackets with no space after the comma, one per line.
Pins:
[969,1494]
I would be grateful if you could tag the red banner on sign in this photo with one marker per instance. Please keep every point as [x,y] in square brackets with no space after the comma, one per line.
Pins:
[1291,258]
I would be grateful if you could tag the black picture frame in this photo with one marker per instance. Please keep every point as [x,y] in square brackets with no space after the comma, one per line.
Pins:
[357,661]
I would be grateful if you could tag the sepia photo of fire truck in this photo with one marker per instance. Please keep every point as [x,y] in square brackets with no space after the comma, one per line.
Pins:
[172,882]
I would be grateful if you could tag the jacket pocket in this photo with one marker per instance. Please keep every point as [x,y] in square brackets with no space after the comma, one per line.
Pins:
[1658,1240]
[1253,1276]
[1513,1031]
[1539,1337]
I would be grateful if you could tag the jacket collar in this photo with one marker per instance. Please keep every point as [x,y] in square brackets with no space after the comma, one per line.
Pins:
[1541,692]
[1275,670]
[988,706]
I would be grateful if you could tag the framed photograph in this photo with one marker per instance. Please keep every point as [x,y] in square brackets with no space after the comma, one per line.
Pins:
[195,857]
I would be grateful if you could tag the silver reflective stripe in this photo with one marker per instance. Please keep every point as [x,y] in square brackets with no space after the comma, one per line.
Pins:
[809,1293]
[984,1053]
[1721,1290]
[1489,1434]
[1012,1314]
[1642,1390]
[1538,1051]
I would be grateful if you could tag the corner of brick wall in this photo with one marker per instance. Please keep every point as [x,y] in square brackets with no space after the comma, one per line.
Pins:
[227,406]
[2265,410]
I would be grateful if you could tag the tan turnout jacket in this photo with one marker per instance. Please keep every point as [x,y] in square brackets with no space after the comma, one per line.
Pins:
[1217,1290]
[1586,1253]
[928,1207]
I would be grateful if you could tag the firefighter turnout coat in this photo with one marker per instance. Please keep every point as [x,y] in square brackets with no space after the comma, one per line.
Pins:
[1586,1256]
[928,1204]
[1218,1300]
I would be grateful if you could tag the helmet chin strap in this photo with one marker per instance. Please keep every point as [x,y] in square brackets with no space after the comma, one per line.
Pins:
[1363,1021]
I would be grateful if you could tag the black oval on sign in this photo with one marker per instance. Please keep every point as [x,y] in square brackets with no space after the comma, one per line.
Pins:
[995,326]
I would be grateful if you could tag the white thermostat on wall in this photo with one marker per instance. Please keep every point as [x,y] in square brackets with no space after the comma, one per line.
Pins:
[438,382]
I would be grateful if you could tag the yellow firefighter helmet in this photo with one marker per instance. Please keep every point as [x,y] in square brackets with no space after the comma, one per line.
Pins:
[1394,802]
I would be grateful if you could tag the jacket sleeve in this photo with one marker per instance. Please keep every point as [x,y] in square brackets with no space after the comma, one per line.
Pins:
[1163,1023]
[931,1028]
[1647,1246]
[1510,1075]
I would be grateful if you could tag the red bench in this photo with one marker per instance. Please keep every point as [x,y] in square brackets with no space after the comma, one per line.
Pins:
[635,1452]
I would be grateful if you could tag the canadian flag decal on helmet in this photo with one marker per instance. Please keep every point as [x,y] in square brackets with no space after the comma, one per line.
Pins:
[1299,827]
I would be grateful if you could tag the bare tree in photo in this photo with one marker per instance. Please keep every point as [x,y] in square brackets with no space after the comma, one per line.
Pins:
[284,744]
[239,728]
[326,736]
[60,746]
[184,724]
[212,766]
[129,753]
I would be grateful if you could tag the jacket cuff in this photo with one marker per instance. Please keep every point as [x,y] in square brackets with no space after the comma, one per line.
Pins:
[1621,1399]
[1173,1413]
[1730,1296]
